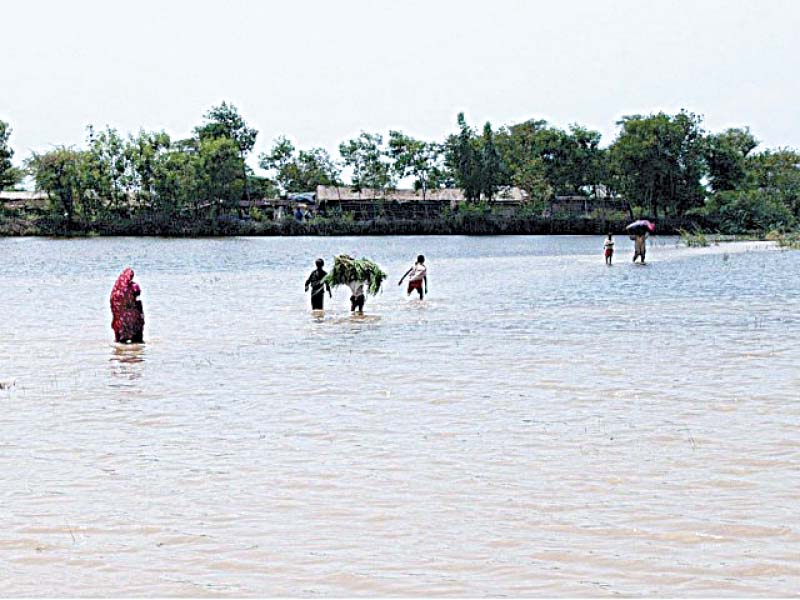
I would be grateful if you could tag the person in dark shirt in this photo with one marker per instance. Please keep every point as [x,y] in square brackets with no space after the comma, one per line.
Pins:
[317,286]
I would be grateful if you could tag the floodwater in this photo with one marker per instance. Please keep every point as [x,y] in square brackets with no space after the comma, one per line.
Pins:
[541,425]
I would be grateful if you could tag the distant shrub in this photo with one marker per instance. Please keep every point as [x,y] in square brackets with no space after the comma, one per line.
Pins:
[694,239]
[748,211]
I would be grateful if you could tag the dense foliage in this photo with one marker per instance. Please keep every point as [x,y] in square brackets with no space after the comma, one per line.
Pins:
[9,175]
[299,172]
[659,166]
[347,270]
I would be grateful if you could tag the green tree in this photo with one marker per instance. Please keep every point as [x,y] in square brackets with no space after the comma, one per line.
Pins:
[777,172]
[368,159]
[584,158]
[521,151]
[224,121]
[280,161]
[144,153]
[262,187]
[299,172]
[106,172]
[658,162]
[737,211]
[179,180]
[492,174]
[726,156]
[464,160]
[9,176]
[221,176]
[418,159]
[61,173]
[545,160]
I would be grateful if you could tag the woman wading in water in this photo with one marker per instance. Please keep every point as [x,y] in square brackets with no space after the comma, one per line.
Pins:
[126,310]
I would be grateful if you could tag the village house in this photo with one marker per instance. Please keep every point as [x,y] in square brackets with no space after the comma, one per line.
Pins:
[24,201]
[401,203]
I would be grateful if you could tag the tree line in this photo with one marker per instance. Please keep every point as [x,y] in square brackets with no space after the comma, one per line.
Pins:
[662,165]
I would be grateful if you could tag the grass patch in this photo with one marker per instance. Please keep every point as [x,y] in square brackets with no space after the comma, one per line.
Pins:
[696,239]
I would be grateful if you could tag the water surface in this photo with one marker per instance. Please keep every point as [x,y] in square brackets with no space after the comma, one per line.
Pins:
[541,425]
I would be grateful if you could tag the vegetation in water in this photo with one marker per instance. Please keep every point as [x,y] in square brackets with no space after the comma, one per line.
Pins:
[347,269]
[696,239]
[785,240]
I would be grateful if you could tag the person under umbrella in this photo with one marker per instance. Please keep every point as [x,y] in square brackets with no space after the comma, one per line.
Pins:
[639,231]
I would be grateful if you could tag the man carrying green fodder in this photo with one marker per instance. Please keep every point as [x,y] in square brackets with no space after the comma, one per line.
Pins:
[361,275]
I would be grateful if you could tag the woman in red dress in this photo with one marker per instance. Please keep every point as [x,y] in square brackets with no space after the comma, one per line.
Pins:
[126,309]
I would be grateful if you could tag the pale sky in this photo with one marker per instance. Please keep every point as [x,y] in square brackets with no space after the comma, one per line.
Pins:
[322,71]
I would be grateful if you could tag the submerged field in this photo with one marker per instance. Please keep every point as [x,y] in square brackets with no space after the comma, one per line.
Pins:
[541,425]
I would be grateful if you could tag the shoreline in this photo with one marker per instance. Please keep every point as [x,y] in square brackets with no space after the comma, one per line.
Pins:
[480,224]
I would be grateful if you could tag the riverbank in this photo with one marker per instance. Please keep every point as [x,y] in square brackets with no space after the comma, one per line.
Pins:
[453,224]
[701,239]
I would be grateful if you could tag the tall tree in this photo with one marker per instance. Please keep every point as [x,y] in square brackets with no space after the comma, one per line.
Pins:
[144,152]
[316,167]
[179,179]
[299,172]
[368,159]
[107,173]
[571,162]
[491,167]
[777,172]
[658,162]
[464,160]
[225,121]
[726,156]
[61,173]
[222,177]
[416,158]
[584,157]
[8,175]
[280,162]
[521,152]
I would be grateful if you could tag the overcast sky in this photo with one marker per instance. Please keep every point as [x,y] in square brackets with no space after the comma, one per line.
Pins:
[322,71]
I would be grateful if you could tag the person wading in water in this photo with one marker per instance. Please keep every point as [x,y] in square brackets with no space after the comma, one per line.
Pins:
[126,310]
[358,298]
[317,286]
[639,246]
[608,247]
[419,275]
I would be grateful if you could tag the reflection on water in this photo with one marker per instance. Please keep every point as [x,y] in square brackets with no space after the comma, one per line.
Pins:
[126,360]
[539,425]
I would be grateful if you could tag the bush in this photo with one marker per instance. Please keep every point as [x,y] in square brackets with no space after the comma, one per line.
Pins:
[748,211]
[696,239]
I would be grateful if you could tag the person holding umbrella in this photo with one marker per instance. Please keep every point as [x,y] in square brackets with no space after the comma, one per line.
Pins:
[639,231]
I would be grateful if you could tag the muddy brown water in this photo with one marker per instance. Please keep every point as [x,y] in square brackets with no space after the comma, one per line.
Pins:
[541,425]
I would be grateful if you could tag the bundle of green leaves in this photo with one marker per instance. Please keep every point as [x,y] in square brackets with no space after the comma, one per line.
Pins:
[347,269]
